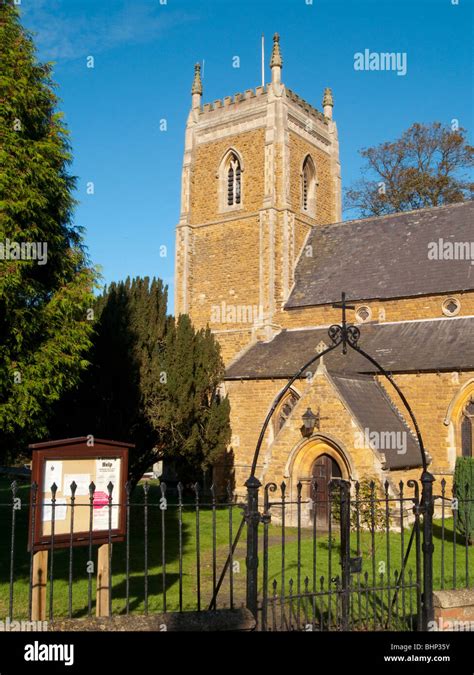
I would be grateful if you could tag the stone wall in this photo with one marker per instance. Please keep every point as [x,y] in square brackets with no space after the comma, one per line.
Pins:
[325,197]
[205,180]
[181,622]
[454,610]
[399,309]
[436,400]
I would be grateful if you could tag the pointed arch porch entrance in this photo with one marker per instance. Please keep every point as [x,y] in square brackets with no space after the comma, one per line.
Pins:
[314,462]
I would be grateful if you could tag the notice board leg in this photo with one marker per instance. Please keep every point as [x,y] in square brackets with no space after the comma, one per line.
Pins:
[39,580]
[103,588]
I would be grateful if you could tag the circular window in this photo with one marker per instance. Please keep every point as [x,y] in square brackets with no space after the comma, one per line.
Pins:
[451,307]
[363,314]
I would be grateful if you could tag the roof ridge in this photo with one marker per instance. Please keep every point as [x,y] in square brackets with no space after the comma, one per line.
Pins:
[381,324]
[393,215]
[400,347]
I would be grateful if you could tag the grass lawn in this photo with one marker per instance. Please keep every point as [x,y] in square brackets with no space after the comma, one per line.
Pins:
[212,556]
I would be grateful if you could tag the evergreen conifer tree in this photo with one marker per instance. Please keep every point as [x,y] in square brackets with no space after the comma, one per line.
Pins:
[45,280]
[153,381]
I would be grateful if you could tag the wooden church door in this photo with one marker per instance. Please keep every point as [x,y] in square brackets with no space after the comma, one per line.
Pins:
[324,469]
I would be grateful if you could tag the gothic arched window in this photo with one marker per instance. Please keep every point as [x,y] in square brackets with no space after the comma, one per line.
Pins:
[234,180]
[286,408]
[467,429]
[308,189]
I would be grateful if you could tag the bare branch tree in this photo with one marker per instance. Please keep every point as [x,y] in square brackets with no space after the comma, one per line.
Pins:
[427,166]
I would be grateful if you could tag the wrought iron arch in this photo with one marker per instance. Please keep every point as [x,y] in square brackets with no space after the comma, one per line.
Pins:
[345,335]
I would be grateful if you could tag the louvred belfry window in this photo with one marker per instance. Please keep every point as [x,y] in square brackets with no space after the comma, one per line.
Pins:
[234,182]
[305,191]
[308,187]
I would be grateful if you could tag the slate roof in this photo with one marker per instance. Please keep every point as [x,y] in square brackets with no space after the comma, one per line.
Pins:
[371,407]
[384,257]
[409,346]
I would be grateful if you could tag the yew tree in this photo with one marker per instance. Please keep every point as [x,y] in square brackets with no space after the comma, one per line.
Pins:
[153,381]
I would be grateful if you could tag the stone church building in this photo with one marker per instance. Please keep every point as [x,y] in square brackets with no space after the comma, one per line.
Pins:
[262,255]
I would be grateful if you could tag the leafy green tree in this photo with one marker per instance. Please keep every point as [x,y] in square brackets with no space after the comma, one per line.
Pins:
[46,288]
[425,167]
[153,382]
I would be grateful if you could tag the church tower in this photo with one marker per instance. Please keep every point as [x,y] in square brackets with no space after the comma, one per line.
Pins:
[260,170]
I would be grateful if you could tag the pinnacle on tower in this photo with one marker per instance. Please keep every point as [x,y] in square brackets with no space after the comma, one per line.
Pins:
[276,62]
[196,90]
[197,84]
[276,59]
[328,102]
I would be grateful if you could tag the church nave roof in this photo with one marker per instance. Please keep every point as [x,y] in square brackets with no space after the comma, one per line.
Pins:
[394,256]
[408,346]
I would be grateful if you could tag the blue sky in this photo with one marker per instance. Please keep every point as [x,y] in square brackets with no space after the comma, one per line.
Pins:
[144,52]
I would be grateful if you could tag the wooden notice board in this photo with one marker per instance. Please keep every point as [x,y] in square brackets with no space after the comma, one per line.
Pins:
[82,520]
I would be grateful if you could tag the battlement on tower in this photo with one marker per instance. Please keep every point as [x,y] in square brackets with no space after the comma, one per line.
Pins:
[236,99]
[273,91]
[305,106]
[240,100]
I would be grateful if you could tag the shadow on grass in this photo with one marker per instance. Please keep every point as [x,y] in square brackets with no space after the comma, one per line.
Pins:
[165,538]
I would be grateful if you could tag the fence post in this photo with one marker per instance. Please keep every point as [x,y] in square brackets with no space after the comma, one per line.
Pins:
[252,517]
[427,503]
[102,605]
[345,504]
[39,580]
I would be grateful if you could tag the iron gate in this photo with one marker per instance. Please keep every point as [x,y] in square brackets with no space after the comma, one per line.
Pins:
[360,572]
